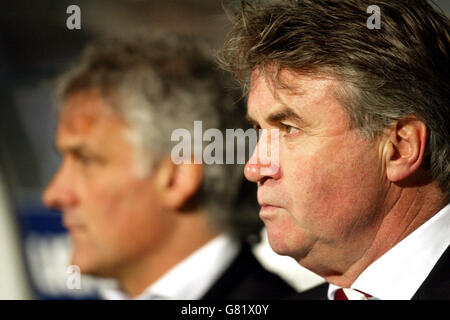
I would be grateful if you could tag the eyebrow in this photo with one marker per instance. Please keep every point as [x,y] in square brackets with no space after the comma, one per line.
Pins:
[284,114]
[75,149]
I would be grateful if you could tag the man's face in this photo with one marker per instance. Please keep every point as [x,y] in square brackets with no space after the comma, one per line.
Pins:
[327,185]
[113,216]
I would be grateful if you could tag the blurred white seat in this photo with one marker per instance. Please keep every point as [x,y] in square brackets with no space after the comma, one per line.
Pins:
[13,279]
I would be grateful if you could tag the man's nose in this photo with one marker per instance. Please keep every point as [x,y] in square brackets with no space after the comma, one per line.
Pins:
[264,162]
[59,193]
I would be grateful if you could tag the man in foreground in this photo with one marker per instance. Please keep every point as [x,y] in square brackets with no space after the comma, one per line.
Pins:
[360,192]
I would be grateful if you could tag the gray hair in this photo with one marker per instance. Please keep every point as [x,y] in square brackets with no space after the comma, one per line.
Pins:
[161,83]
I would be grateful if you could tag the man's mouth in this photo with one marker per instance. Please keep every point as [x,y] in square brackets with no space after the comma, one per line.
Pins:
[268,207]
[72,225]
[267,211]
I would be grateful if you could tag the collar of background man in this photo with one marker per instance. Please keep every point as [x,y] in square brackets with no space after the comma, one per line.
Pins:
[192,277]
[399,273]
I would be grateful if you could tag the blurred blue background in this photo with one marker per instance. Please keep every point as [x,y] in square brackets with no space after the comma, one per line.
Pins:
[35,45]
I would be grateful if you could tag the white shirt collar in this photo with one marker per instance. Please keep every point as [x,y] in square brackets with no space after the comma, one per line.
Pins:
[192,277]
[399,273]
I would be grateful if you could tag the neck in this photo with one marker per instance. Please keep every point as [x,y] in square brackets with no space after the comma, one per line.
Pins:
[406,209]
[192,231]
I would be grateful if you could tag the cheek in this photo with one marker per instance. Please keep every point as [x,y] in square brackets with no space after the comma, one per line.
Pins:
[117,209]
[129,226]
[331,189]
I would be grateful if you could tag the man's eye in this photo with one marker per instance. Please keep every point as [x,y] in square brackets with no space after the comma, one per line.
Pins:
[289,129]
[85,160]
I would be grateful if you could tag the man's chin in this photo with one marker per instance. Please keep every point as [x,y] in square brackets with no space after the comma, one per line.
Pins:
[95,271]
[86,265]
[83,267]
[282,245]
[278,245]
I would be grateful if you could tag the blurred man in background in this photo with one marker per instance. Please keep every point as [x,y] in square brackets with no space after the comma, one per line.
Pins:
[162,230]
[360,194]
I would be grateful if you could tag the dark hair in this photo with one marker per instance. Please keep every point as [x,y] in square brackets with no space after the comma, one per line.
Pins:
[389,73]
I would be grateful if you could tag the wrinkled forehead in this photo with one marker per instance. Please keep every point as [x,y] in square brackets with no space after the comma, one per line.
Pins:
[86,115]
[82,111]
[295,82]
[288,84]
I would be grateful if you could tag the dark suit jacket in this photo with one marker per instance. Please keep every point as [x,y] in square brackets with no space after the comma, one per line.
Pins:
[245,278]
[436,285]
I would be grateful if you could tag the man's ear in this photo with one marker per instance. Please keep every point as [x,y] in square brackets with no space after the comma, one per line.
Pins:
[405,148]
[178,183]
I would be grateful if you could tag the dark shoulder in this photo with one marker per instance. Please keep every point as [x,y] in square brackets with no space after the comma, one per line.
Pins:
[246,278]
[437,284]
[318,292]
